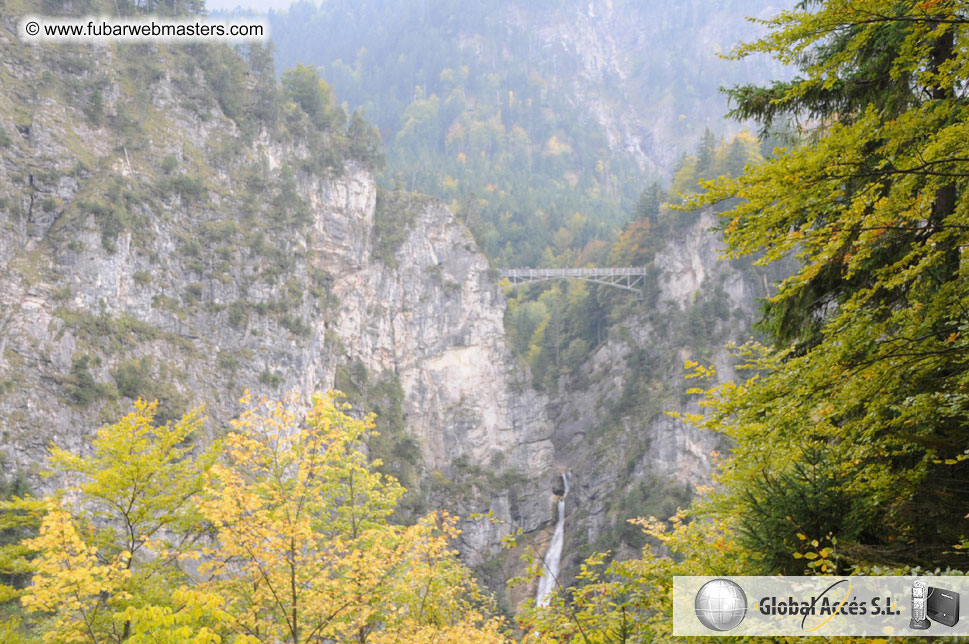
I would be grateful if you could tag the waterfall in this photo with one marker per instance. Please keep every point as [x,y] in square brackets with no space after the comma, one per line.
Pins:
[553,557]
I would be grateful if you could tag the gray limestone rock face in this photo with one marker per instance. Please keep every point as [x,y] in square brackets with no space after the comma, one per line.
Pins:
[160,249]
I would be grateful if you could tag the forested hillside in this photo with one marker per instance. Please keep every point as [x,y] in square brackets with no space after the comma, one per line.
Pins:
[539,122]
[548,128]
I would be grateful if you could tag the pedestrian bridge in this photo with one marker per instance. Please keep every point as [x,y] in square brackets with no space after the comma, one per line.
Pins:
[629,278]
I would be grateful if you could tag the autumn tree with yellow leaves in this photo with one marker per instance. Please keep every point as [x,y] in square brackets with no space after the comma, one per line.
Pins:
[108,545]
[278,533]
[304,551]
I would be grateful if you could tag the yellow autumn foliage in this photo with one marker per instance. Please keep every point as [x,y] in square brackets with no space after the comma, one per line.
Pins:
[282,532]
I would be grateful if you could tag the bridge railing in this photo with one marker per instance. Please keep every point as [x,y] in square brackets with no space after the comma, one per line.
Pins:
[571,272]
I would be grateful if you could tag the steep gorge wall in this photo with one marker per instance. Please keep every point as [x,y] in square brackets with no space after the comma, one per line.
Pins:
[627,457]
[165,250]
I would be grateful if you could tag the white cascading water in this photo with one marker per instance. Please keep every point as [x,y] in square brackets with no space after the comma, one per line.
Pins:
[553,558]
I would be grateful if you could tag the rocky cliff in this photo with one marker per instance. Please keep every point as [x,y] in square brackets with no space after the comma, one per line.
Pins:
[159,248]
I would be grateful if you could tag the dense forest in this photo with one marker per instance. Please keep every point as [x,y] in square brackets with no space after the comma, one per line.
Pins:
[515,159]
[847,421]
[499,119]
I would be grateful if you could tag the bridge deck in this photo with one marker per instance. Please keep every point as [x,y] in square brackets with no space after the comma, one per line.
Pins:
[552,273]
[629,278]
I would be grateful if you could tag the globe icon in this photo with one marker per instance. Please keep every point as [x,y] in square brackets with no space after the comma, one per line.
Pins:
[720,604]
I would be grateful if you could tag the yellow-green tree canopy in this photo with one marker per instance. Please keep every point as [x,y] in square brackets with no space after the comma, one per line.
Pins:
[304,551]
[850,429]
[855,423]
[279,533]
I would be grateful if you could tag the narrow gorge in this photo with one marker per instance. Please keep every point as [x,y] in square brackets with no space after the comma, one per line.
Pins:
[163,238]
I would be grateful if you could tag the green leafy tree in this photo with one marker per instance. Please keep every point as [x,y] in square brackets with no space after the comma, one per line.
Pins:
[364,141]
[20,516]
[706,155]
[871,361]
[649,202]
[303,86]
